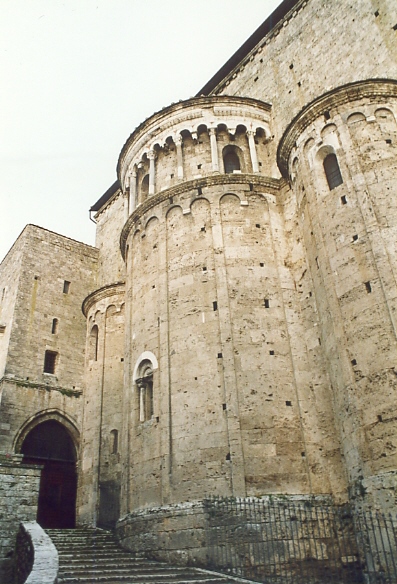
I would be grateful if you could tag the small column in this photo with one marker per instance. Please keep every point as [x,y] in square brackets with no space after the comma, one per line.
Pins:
[214,150]
[132,190]
[251,144]
[141,387]
[151,155]
[179,155]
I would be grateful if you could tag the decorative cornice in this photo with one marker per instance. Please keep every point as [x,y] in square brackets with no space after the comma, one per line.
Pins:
[334,98]
[272,185]
[36,385]
[100,294]
[158,119]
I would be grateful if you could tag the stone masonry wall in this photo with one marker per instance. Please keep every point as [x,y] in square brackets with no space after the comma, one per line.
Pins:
[19,490]
[349,233]
[110,222]
[236,406]
[10,271]
[322,45]
[100,476]
[47,261]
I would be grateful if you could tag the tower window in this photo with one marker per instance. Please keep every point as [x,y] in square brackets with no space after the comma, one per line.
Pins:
[54,328]
[114,442]
[66,287]
[145,391]
[93,343]
[50,358]
[332,171]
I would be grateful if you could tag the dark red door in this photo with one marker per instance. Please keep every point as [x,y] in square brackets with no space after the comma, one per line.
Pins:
[57,496]
[50,445]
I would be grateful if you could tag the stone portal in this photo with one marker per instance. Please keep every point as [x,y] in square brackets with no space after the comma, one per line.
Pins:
[49,444]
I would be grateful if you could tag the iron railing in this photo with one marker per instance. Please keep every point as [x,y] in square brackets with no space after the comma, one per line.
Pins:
[284,541]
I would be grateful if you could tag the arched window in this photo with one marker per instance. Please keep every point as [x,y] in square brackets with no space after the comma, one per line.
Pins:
[332,171]
[231,160]
[145,390]
[93,344]
[144,188]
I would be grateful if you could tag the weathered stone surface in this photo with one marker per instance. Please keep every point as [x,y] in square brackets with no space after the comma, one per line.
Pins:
[19,489]
[241,305]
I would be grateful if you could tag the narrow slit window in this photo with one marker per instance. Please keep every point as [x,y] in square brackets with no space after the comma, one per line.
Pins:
[114,437]
[266,303]
[50,359]
[66,287]
[332,171]
[54,328]
[93,343]
[215,305]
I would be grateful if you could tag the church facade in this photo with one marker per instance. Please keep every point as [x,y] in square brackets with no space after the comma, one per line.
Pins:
[233,332]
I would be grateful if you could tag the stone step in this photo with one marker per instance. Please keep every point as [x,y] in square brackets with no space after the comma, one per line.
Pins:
[87,556]
[144,580]
[149,572]
[143,562]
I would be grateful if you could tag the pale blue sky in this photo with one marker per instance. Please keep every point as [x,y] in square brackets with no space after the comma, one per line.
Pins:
[79,75]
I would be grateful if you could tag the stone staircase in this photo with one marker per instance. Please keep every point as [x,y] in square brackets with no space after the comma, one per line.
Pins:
[87,556]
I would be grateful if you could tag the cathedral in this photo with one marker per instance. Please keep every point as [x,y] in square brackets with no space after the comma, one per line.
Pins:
[233,331]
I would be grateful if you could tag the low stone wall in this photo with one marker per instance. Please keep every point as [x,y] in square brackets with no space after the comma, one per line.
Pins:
[19,491]
[173,533]
[378,492]
[277,539]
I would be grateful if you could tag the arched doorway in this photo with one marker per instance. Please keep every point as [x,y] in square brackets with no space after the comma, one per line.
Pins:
[50,444]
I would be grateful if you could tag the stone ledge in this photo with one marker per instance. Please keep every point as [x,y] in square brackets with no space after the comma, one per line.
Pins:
[35,385]
[270,184]
[100,294]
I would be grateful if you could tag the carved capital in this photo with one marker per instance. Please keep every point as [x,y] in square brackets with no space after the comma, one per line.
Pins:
[151,155]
